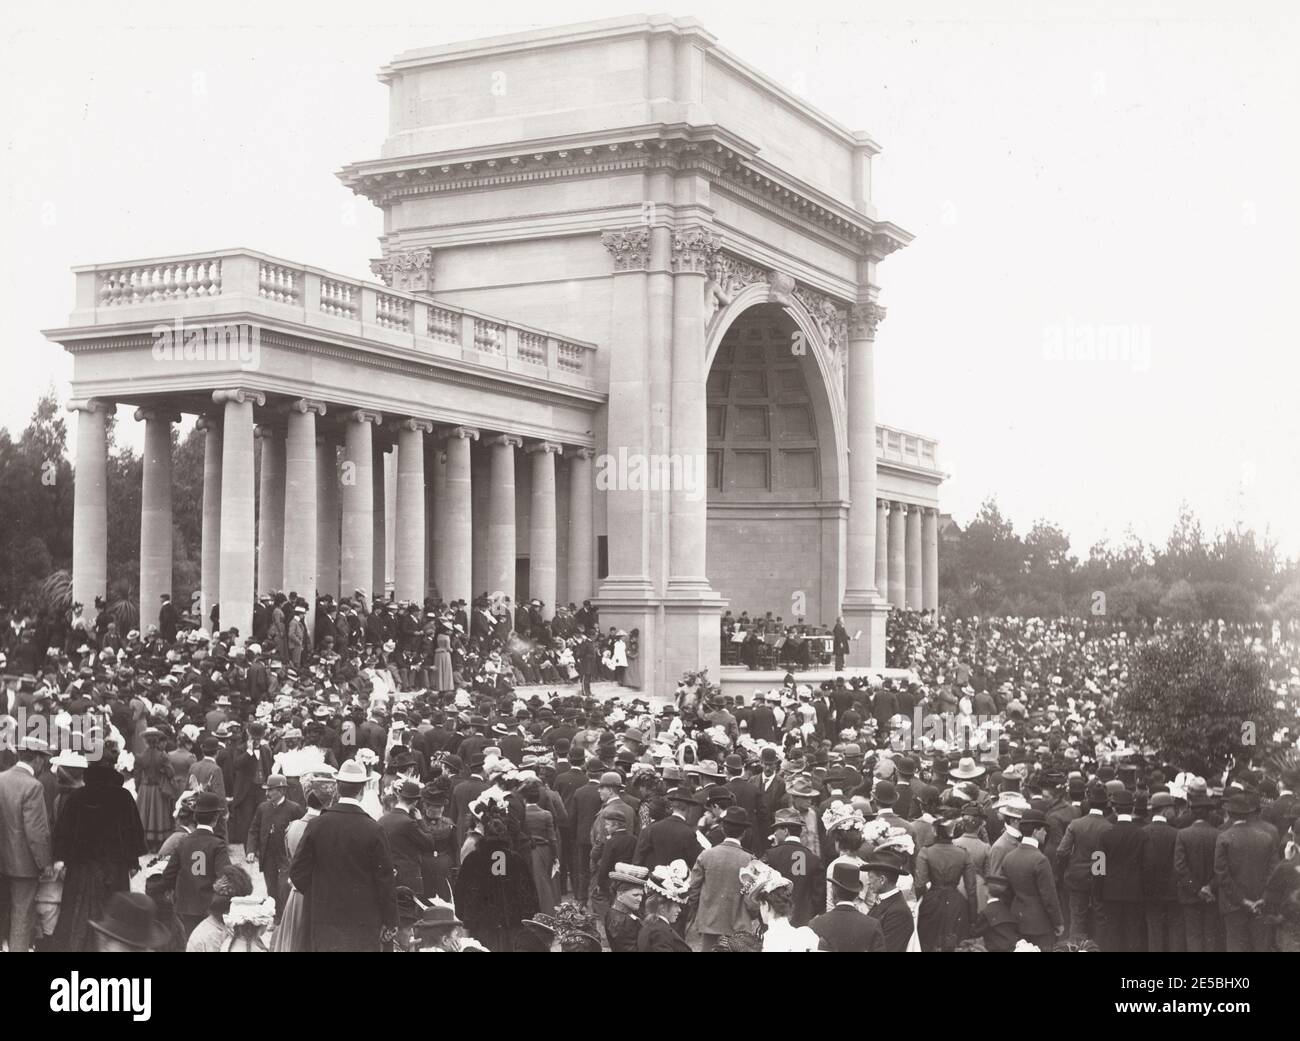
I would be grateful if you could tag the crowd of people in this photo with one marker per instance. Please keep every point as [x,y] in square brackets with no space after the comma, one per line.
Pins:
[396,792]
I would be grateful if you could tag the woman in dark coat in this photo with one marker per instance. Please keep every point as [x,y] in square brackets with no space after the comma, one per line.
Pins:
[945,914]
[495,890]
[100,840]
[155,784]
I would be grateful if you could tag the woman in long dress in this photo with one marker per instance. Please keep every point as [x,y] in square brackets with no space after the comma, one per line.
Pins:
[294,932]
[544,844]
[495,893]
[100,840]
[444,681]
[946,911]
[155,789]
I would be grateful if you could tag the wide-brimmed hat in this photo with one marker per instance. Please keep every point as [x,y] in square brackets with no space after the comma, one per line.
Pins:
[438,915]
[966,769]
[69,759]
[632,874]
[791,820]
[801,787]
[887,860]
[352,772]
[131,918]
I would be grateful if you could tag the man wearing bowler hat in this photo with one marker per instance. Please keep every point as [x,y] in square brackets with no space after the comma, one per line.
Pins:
[1194,876]
[1122,893]
[890,909]
[715,882]
[673,837]
[1033,887]
[197,863]
[792,859]
[266,834]
[1244,857]
[844,929]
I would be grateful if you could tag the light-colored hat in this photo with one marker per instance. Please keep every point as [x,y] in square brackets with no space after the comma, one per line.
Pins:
[352,772]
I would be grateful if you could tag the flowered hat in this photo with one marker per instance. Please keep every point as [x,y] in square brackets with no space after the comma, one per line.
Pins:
[758,880]
[670,880]
[841,815]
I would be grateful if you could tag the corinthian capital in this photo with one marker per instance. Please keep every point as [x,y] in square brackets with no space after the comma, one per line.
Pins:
[630,248]
[410,270]
[693,249]
[863,320]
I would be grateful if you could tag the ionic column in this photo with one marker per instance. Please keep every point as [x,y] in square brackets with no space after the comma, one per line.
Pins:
[542,526]
[155,512]
[455,553]
[897,554]
[90,504]
[270,518]
[301,525]
[930,561]
[409,569]
[379,478]
[237,507]
[581,584]
[882,546]
[863,511]
[327,517]
[435,487]
[913,562]
[210,548]
[357,558]
[501,515]
[692,249]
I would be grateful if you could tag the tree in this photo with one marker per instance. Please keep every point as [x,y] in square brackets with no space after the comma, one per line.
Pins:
[1199,702]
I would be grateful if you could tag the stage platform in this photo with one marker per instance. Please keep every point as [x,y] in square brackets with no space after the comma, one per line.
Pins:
[736,679]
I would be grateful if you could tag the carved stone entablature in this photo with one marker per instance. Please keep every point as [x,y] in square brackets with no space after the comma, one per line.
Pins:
[732,274]
[630,248]
[408,270]
[864,319]
[693,248]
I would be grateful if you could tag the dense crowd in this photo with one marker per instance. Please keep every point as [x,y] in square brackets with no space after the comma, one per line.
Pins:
[396,791]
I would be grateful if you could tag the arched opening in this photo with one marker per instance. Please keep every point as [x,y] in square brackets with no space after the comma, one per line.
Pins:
[776,514]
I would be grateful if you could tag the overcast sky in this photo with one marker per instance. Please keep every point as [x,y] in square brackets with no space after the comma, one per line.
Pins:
[1125,170]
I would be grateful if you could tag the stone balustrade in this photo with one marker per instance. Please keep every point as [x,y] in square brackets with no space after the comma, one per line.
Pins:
[894,445]
[196,287]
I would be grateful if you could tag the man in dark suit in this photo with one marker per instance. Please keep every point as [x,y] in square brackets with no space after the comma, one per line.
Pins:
[266,834]
[672,838]
[744,793]
[1244,856]
[169,619]
[25,840]
[891,910]
[997,924]
[1194,877]
[464,793]
[583,806]
[409,844]
[197,863]
[344,868]
[1163,915]
[844,929]
[1122,893]
[1074,860]
[797,862]
[1033,887]
[771,796]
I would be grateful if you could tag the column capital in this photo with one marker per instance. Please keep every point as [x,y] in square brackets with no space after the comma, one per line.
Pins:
[463,433]
[630,247]
[240,395]
[154,414]
[305,405]
[901,507]
[693,248]
[545,446]
[864,318]
[882,504]
[424,426]
[582,452]
[361,415]
[508,440]
[208,423]
[90,405]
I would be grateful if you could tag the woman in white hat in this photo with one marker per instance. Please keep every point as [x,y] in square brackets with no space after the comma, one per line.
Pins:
[666,891]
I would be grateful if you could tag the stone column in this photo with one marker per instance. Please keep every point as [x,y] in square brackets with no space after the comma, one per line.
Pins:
[501,515]
[913,562]
[210,551]
[693,247]
[435,487]
[327,517]
[301,524]
[863,511]
[155,513]
[409,571]
[237,507]
[357,557]
[270,515]
[930,561]
[379,480]
[581,504]
[455,552]
[897,554]
[90,504]
[542,526]
[882,546]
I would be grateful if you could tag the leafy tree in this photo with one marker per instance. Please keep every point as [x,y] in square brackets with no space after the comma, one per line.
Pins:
[1199,702]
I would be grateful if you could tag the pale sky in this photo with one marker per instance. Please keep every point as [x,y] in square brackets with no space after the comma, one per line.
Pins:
[1069,170]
